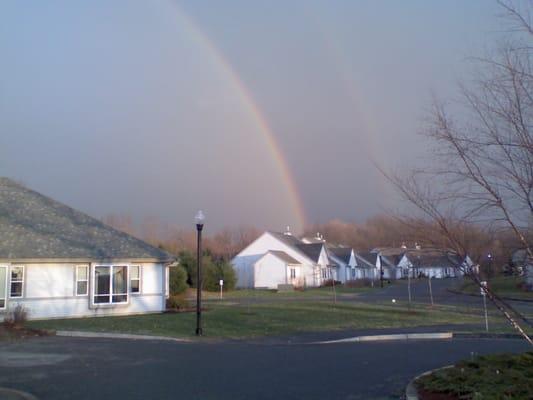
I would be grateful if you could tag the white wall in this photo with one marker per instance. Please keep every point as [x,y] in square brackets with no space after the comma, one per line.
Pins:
[244,261]
[269,272]
[49,291]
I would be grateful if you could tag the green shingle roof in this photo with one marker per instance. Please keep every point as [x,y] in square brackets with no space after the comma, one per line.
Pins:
[33,226]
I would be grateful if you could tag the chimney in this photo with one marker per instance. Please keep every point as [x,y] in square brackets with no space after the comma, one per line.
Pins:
[417,246]
[288,231]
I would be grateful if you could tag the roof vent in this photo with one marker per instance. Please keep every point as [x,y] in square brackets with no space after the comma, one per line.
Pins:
[417,246]
[288,231]
[403,245]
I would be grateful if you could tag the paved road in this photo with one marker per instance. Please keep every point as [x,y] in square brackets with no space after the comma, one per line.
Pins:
[420,294]
[67,368]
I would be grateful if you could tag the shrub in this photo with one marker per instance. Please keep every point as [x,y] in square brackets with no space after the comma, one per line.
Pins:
[357,283]
[177,280]
[16,317]
[329,282]
[177,303]
[214,272]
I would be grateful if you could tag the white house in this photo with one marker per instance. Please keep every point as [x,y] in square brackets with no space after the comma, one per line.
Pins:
[275,259]
[434,263]
[57,262]
[347,269]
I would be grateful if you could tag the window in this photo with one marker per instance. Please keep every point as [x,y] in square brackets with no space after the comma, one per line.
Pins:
[353,272]
[82,280]
[3,287]
[293,273]
[135,279]
[324,273]
[110,284]
[17,280]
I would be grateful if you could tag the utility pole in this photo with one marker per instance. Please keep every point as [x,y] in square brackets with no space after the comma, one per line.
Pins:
[430,290]
[409,286]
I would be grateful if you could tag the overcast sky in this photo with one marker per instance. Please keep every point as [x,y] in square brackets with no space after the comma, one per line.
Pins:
[154,108]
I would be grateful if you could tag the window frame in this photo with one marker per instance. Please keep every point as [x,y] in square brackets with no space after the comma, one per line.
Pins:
[21,281]
[77,279]
[7,287]
[110,303]
[292,273]
[137,279]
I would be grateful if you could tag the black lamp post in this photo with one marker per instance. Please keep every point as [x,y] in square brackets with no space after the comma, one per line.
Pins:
[200,218]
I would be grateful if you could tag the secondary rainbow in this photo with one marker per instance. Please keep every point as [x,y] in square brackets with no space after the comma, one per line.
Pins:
[251,106]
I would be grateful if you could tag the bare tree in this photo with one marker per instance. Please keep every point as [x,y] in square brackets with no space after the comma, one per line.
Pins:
[482,169]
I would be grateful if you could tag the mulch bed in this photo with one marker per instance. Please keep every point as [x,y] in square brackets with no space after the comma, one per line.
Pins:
[425,395]
[21,332]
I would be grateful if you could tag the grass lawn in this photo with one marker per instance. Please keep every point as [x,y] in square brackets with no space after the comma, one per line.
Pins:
[507,286]
[492,377]
[227,319]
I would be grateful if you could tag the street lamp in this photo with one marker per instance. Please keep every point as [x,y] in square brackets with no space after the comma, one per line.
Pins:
[199,219]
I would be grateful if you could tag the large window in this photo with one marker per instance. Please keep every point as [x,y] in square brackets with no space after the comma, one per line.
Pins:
[17,281]
[293,273]
[135,279]
[82,280]
[110,284]
[3,287]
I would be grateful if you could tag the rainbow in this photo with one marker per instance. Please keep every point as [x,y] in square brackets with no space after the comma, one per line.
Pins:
[251,107]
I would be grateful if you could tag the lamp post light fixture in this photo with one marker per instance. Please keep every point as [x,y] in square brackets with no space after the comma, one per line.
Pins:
[199,219]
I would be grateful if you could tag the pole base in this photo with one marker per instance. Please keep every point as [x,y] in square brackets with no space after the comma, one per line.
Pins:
[199,332]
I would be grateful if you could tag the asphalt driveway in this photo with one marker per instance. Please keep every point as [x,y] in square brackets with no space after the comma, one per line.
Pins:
[68,368]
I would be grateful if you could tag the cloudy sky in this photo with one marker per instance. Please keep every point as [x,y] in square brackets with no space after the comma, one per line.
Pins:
[266,113]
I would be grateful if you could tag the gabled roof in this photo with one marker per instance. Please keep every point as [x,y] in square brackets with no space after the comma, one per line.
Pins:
[311,250]
[368,257]
[342,253]
[289,240]
[433,258]
[33,226]
[284,256]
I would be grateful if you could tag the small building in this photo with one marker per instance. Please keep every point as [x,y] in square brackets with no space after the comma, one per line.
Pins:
[57,262]
[275,259]
[344,257]
[434,263]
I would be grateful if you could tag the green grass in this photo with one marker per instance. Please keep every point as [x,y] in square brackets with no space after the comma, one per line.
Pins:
[506,286]
[322,292]
[226,319]
[492,377]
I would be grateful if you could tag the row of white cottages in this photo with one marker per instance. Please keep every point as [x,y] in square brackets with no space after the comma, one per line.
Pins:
[276,259]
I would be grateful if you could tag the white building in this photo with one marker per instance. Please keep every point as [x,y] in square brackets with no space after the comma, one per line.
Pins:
[347,266]
[57,262]
[276,259]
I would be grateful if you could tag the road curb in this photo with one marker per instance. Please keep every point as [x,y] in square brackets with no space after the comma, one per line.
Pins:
[397,336]
[411,392]
[107,335]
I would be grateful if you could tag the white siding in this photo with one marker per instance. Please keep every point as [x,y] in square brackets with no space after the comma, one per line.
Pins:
[269,272]
[244,261]
[50,292]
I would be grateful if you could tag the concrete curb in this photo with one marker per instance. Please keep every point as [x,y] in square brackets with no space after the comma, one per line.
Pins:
[411,392]
[12,394]
[107,335]
[399,336]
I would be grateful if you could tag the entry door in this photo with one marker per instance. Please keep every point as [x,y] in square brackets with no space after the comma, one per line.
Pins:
[3,287]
